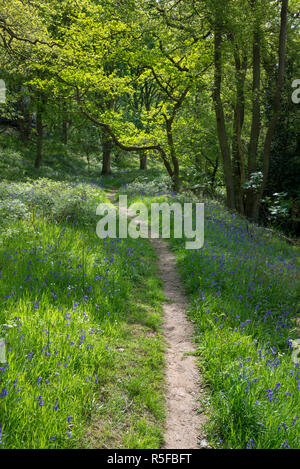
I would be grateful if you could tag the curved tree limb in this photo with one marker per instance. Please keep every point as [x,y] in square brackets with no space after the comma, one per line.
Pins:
[121,145]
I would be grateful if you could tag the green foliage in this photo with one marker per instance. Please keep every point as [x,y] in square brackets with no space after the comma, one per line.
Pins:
[61,201]
[147,186]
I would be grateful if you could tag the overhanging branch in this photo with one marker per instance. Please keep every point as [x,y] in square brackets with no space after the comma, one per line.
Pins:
[121,145]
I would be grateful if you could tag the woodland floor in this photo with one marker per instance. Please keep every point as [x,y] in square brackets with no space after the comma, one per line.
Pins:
[179,349]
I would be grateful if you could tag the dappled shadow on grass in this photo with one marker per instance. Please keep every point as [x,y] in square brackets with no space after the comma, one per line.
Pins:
[66,304]
[130,403]
[252,286]
[244,288]
[62,163]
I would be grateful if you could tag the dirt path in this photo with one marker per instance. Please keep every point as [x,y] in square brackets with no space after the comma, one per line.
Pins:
[183,425]
[183,422]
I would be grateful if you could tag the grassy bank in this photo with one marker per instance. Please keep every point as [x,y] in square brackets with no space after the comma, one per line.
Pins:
[81,320]
[244,300]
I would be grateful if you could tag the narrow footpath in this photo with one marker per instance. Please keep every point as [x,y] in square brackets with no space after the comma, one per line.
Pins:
[184,420]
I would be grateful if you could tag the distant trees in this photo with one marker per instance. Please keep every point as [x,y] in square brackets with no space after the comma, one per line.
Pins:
[187,80]
[240,162]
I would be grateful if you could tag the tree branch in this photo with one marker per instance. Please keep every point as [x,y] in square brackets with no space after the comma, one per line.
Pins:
[121,145]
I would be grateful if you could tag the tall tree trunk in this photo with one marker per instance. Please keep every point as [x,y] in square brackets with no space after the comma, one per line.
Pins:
[251,206]
[276,105]
[174,159]
[39,130]
[238,122]
[106,153]
[143,160]
[221,128]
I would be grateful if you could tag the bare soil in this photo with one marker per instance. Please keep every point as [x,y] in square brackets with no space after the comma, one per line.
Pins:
[184,422]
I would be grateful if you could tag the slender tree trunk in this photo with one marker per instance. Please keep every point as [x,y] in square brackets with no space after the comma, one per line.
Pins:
[168,166]
[143,160]
[106,153]
[221,128]
[238,122]
[174,159]
[251,206]
[176,180]
[276,105]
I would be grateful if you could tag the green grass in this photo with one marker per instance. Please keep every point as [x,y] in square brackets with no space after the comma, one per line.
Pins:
[67,163]
[131,404]
[61,285]
[81,318]
[121,178]
[244,301]
[244,291]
